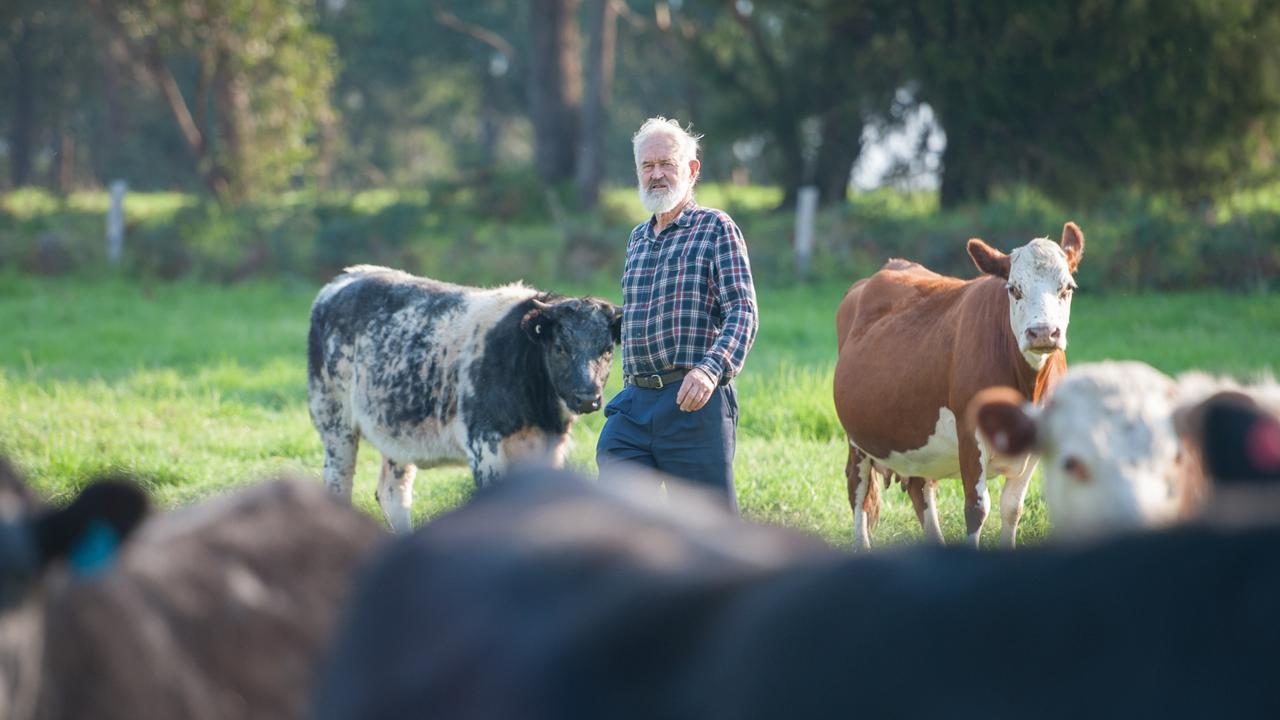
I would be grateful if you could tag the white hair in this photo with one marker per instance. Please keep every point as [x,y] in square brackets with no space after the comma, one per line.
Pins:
[686,141]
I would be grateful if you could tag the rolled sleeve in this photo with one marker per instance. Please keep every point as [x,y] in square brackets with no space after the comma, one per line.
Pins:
[737,298]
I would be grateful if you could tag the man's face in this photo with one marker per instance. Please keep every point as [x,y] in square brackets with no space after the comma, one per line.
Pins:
[664,179]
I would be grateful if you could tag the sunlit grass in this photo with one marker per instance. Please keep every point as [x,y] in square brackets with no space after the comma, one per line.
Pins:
[200,387]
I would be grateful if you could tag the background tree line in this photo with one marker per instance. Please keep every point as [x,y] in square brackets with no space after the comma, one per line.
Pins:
[240,98]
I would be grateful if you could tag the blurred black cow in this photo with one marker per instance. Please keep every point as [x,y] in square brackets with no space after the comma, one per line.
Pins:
[551,597]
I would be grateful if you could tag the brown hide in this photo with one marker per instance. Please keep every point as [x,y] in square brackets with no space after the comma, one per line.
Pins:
[912,342]
[220,610]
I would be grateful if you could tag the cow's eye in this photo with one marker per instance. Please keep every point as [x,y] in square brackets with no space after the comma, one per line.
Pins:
[1014,291]
[1066,290]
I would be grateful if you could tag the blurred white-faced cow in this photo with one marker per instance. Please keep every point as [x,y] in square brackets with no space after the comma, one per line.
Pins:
[220,610]
[915,347]
[1114,457]
[430,373]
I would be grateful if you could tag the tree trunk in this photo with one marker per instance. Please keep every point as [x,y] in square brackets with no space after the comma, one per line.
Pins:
[792,163]
[490,126]
[602,19]
[841,146]
[964,174]
[555,85]
[107,146]
[147,56]
[66,161]
[22,132]
[231,100]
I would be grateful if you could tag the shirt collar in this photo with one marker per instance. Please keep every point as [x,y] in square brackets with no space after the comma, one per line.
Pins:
[683,220]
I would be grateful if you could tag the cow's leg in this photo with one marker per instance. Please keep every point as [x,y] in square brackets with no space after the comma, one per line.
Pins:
[973,471]
[924,498]
[340,450]
[486,458]
[858,474]
[395,494]
[1011,498]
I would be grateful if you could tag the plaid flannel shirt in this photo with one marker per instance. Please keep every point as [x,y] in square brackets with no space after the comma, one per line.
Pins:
[687,297]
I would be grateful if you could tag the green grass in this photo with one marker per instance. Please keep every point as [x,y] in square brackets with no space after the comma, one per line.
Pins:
[200,387]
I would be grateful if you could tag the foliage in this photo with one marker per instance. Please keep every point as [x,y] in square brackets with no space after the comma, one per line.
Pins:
[262,80]
[509,229]
[201,387]
[1084,98]
[765,60]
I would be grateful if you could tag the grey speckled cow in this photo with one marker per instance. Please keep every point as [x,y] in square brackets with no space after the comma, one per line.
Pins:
[433,373]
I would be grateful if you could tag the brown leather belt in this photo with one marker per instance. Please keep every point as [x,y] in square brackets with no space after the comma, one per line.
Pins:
[659,380]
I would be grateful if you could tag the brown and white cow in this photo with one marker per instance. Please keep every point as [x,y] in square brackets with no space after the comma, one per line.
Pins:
[916,346]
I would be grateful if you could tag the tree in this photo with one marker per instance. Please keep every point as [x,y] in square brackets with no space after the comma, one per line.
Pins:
[1078,98]
[602,27]
[807,75]
[554,85]
[261,82]
[45,88]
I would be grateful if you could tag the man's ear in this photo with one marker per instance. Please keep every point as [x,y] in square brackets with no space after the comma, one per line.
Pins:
[537,321]
[1002,416]
[988,259]
[88,532]
[1073,245]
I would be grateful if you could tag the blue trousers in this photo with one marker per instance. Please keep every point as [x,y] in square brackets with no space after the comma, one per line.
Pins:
[645,427]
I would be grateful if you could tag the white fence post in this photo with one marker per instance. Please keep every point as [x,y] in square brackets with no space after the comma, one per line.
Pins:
[806,210]
[115,222]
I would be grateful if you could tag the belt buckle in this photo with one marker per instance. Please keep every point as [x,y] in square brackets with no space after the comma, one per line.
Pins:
[659,379]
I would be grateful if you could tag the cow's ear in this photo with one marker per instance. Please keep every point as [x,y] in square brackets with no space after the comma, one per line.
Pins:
[1239,440]
[88,532]
[1073,244]
[615,324]
[1004,419]
[988,259]
[537,322]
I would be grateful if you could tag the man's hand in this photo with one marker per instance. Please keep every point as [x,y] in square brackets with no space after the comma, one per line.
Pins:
[695,391]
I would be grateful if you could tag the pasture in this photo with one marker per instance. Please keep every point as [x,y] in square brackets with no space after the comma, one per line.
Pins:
[199,387]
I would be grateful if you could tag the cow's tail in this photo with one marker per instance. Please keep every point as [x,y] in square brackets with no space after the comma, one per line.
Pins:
[871,504]
[871,500]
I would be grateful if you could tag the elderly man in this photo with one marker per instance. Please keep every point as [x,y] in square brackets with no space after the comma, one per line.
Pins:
[688,319]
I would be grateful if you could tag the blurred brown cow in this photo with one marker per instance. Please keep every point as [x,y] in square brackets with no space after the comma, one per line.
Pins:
[219,610]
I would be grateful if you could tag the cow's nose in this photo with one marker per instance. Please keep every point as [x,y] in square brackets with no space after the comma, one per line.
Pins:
[589,403]
[1043,336]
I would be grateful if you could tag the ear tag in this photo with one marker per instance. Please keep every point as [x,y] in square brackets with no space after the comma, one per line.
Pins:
[95,551]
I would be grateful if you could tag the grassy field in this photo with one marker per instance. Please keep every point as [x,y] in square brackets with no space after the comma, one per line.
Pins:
[202,387]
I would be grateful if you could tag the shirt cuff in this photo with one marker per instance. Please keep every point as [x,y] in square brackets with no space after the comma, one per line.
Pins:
[712,368]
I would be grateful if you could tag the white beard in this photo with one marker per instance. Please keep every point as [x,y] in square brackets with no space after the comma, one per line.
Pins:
[661,201]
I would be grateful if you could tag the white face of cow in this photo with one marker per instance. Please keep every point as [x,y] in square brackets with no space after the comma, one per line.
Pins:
[1110,454]
[1040,287]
